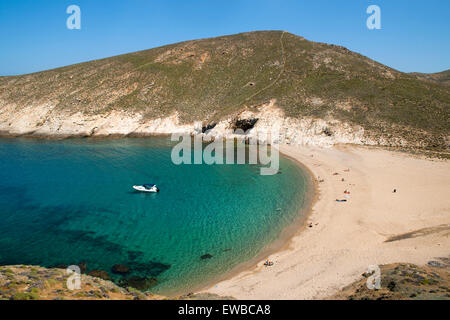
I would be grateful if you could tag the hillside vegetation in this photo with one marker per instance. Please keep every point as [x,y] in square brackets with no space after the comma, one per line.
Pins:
[211,79]
[438,77]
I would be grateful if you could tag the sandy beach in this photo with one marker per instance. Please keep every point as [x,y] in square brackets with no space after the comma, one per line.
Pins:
[375,226]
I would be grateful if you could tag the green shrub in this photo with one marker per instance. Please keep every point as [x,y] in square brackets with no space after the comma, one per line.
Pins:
[25,296]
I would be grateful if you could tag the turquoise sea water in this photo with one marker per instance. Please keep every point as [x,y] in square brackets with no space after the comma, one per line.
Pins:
[63,202]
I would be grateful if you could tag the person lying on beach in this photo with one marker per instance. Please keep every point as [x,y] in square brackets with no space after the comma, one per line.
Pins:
[268,263]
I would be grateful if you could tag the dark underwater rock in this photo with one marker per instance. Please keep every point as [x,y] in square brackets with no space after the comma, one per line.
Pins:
[120,269]
[99,274]
[150,268]
[206,256]
[133,255]
[139,283]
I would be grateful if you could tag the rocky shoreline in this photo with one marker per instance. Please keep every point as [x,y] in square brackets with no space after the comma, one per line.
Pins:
[41,122]
[23,282]
[399,281]
[37,283]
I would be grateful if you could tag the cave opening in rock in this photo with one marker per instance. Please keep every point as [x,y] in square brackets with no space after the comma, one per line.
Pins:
[244,124]
[209,126]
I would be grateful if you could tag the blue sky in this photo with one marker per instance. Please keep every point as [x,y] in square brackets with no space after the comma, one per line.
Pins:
[415,34]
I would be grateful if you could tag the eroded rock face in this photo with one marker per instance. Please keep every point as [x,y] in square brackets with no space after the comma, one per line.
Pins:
[43,120]
[293,131]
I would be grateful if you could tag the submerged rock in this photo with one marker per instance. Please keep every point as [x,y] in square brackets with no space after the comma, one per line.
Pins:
[149,268]
[140,283]
[133,255]
[120,269]
[99,274]
[206,256]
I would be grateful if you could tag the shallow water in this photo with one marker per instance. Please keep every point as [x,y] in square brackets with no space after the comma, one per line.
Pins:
[63,202]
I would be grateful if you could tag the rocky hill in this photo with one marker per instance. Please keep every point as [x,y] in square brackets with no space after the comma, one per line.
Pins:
[439,77]
[316,93]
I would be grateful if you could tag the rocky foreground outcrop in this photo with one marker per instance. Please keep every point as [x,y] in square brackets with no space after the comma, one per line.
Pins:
[23,282]
[398,282]
[37,283]
[404,282]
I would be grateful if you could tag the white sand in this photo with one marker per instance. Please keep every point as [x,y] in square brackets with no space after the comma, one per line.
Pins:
[350,236]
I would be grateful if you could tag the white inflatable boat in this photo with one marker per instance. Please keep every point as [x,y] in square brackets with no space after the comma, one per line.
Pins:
[146,188]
